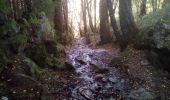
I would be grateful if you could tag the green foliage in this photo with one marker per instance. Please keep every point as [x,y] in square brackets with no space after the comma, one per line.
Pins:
[32,20]
[4,8]
[44,5]
[166,3]
[10,26]
[19,39]
[156,22]
[150,20]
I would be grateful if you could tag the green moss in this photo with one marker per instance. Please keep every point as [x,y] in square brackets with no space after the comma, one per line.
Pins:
[11,24]
[33,20]
[38,54]
[10,27]
[4,7]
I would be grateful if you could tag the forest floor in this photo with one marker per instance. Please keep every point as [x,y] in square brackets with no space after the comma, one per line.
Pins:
[104,73]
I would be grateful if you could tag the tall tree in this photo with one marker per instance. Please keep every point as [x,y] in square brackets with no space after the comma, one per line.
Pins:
[65,12]
[127,24]
[83,8]
[58,17]
[89,15]
[95,14]
[104,23]
[117,32]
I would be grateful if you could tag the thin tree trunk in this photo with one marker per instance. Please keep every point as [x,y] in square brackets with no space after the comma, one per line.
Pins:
[90,17]
[83,5]
[95,14]
[142,8]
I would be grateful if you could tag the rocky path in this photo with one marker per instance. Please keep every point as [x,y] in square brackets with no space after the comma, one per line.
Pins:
[97,81]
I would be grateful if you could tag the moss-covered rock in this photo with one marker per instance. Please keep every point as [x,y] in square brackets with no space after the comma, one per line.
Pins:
[38,54]
[34,68]
[20,79]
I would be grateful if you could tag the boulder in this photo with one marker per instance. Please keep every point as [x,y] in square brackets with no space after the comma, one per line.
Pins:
[113,80]
[98,68]
[86,93]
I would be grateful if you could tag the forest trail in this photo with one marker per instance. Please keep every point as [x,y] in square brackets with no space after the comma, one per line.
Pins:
[93,78]
[96,79]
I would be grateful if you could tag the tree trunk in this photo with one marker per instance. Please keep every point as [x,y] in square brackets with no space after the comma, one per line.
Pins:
[127,24]
[95,15]
[58,17]
[90,17]
[65,11]
[104,23]
[83,7]
[142,8]
[117,33]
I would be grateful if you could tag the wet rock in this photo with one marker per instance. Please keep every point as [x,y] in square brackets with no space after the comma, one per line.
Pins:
[113,80]
[69,65]
[97,67]
[104,80]
[98,77]
[86,93]
[95,86]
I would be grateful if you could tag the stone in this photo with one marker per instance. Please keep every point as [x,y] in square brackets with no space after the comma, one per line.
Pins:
[98,77]
[86,93]
[113,80]
[104,80]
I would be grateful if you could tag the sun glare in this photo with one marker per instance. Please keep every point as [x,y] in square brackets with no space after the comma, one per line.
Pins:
[75,14]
